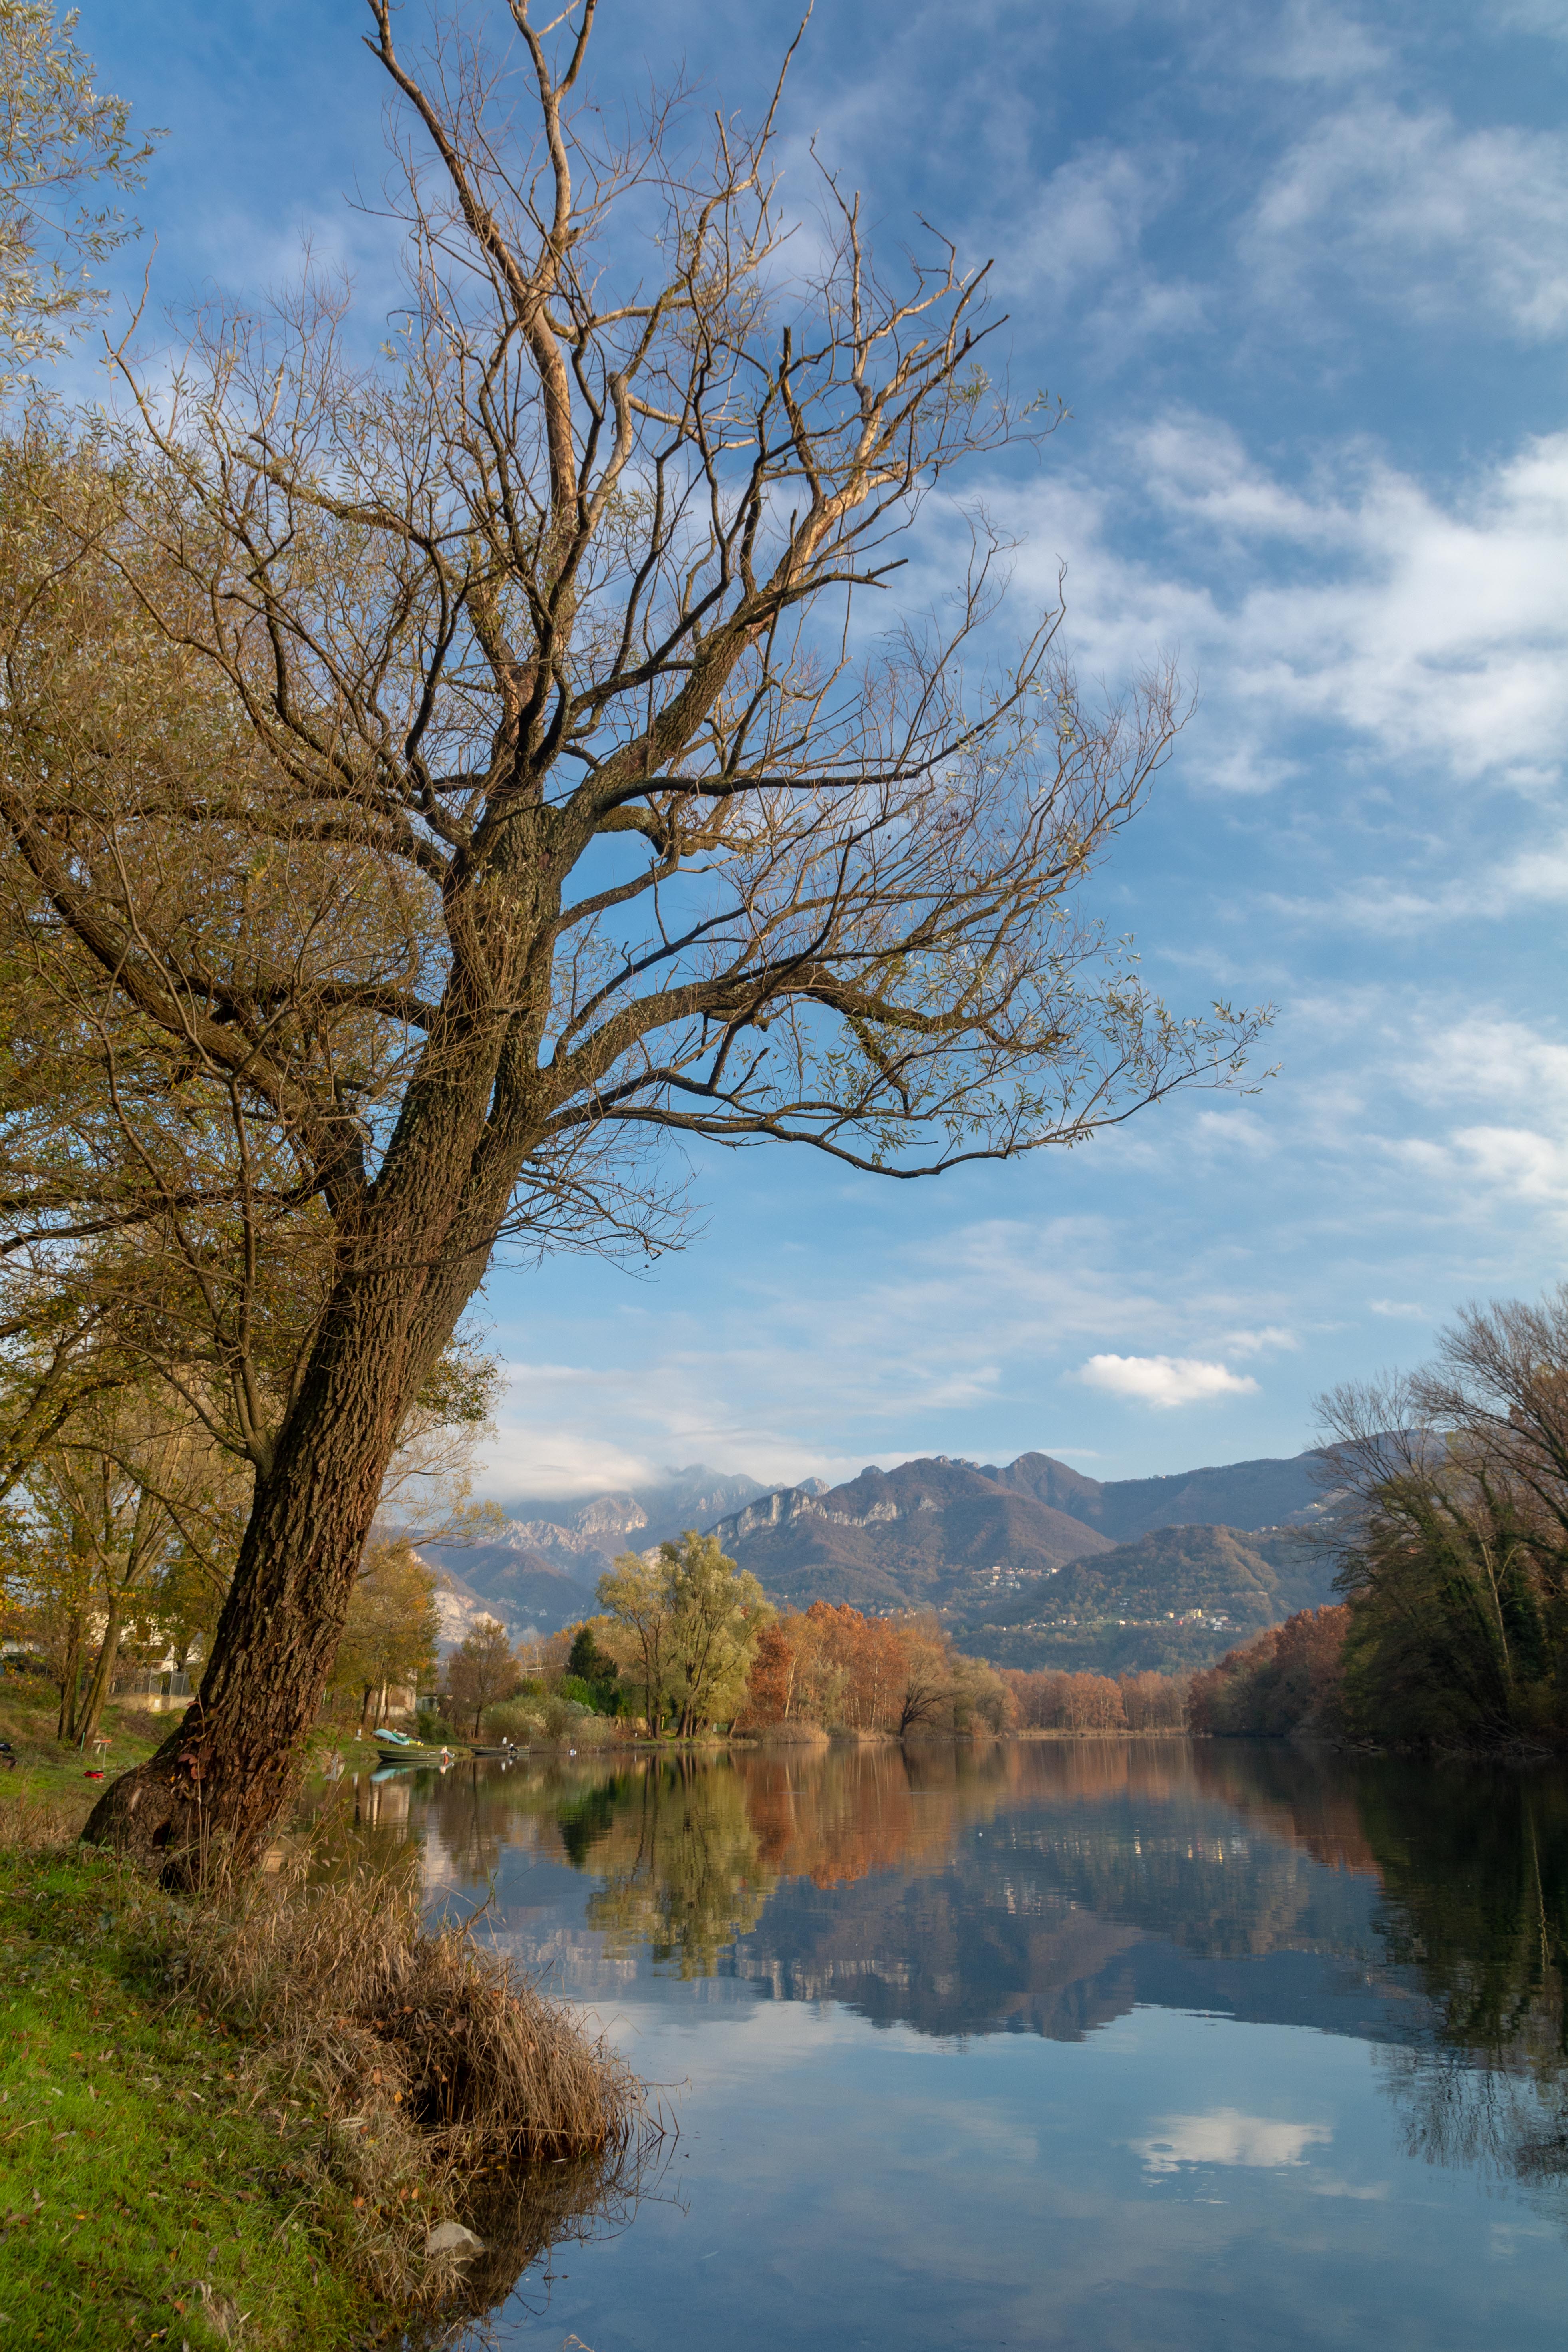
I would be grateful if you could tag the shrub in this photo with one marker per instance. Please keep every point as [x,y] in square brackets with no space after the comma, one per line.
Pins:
[517,1719]
[553,1721]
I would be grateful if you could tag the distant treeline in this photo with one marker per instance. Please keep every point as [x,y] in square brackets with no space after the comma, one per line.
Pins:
[1050,1701]
[1449,1529]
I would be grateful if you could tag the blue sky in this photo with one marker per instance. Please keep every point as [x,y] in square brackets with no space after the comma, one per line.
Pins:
[1302,275]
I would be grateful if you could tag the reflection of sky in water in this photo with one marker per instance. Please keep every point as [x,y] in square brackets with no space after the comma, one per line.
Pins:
[1026,2059]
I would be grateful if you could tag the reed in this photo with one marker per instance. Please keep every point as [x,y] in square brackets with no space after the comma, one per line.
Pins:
[442,2084]
[387,2015]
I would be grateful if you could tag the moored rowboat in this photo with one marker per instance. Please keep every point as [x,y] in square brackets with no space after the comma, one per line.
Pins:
[396,1747]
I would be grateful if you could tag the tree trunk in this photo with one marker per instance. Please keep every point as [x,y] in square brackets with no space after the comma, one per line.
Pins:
[229,1767]
[103,1674]
[71,1680]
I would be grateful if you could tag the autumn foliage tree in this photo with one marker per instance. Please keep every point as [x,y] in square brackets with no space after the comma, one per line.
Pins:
[393,1628]
[692,1620]
[1051,1700]
[1287,1679]
[482,1670]
[832,1667]
[66,150]
[430,780]
[1453,1519]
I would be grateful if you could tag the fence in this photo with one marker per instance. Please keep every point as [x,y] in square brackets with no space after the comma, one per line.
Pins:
[154,1681]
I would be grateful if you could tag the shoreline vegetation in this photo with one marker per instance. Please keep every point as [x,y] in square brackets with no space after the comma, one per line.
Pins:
[248,2092]
[290,2113]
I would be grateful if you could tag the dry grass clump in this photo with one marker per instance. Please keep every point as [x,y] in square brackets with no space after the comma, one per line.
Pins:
[444,2085]
[406,2075]
[35,1821]
[347,1980]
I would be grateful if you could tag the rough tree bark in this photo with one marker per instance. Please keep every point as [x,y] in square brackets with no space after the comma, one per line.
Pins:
[228,1768]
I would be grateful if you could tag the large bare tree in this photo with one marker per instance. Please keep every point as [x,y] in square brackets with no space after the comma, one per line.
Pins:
[557,774]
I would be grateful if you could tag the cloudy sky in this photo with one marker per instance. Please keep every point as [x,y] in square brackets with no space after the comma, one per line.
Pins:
[1301,274]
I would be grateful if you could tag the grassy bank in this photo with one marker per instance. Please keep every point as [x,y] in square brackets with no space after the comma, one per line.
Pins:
[255,2118]
[47,1769]
[147,2193]
[28,1712]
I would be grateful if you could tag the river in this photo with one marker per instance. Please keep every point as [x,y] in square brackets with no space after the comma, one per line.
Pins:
[1117,2045]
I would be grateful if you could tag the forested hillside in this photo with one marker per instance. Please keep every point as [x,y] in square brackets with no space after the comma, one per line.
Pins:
[1177,1599]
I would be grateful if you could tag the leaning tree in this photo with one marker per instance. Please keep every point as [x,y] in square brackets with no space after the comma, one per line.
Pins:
[535,767]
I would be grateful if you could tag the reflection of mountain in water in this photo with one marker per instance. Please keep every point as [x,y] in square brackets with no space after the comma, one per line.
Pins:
[1050,1889]
[1073,1881]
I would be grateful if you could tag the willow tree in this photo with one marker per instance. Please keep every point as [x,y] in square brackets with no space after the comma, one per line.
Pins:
[575,781]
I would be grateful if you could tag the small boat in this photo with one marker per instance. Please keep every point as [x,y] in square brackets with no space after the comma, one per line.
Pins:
[396,1747]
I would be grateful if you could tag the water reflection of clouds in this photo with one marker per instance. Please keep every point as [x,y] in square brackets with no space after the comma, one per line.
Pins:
[1225,2135]
[941,2087]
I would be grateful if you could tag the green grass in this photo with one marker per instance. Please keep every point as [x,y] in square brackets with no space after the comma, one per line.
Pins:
[56,1774]
[143,2198]
[46,1768]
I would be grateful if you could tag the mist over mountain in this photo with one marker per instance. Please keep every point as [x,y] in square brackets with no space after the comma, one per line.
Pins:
[1031,1562]
[542,1569]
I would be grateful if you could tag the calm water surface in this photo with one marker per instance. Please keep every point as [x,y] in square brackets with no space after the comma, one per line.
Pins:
[1141,2045]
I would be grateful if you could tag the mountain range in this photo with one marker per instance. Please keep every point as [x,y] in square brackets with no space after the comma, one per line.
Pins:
[1029,1563]
[540,1571]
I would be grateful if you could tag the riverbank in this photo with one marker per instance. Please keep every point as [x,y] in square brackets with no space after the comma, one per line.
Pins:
[144,2192]
[289,2116]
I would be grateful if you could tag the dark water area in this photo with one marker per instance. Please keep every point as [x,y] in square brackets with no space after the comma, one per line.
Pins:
[1136,2045]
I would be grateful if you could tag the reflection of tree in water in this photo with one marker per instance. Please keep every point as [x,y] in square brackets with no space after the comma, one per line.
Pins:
[1473,1864]
[1506,2118]
[1476,1876]
[681,1864]
[833,1815]
[963,1888]
[586,1817]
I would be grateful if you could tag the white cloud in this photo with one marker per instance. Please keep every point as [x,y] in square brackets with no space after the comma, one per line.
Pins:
[1434,628]
[1270,1339]
[1439,220]
[1083,230]
[536,1454]
[1518,1078]
[1399,1307]
[1517,1161]
[1165,1380]
[1549,17]
[1225,2135]
[1088,218]
[1487,1060]
[1309,44]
